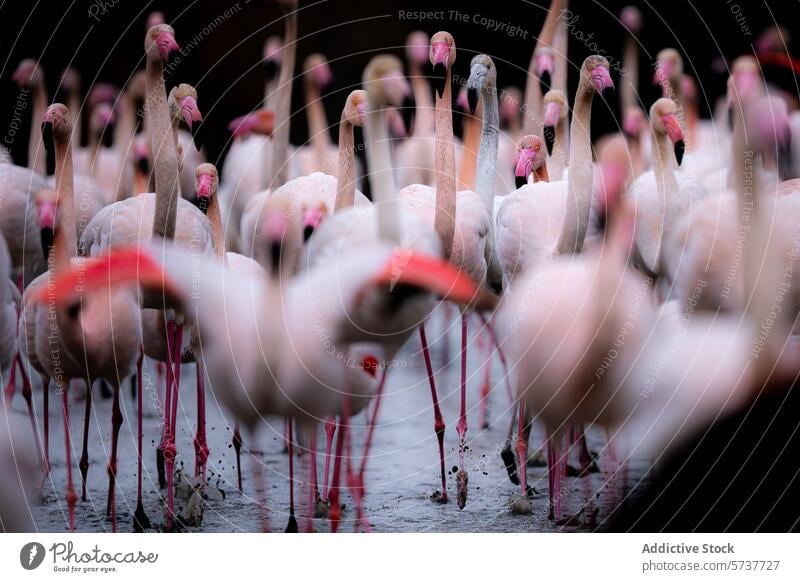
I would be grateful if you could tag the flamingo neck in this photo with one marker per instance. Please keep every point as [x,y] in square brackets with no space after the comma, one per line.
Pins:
[561,46]
[381,176]
[162,144]
[579,183]
[123,141]
[65,244]
[666,183]
[445,168]
[37,156]
[317,120]
[630,84]
[487,154]
[541,174]
[346,180]
[424,113]
[558,161]
[283,104]
[469,152]
[215,218]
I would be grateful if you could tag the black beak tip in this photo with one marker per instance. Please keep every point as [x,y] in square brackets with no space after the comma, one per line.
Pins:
[144,165]
[680,148]
[47,135]
[271,70]
[549,138]
[520,181]
[472,99]
[407,111]
[307,232]
[202,204]
[544,81]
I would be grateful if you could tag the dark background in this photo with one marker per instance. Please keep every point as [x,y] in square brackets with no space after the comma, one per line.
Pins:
[224,66]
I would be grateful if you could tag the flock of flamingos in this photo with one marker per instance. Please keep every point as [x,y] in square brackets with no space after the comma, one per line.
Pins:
[641,282]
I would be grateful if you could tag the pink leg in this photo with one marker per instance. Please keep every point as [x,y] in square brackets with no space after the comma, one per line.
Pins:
[162,475]
[140,520]
[237,447]
[483,421]
[11,385]
[71,497]
[46,414]
[170,450]
[116,423]
[462,479]
[523,433]
[291,527]
[260,486]
[335,514]
[501,354]
[200,444]
[438,419]
[83,464]
[27,394]
[313,485]
[551,471]
[330,428]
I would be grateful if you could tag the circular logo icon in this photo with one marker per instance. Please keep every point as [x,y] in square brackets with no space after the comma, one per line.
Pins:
[31,555]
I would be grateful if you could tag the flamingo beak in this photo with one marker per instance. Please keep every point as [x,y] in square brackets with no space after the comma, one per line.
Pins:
[22,75]
[312,218]
[675,134]
[166,45]
[193,119]
[46,215]
[524,163]
[205,187]
[601,79]
[47,133]
[361,110]
[544,66]
[440,58]
[663,72]
[552,111]
[272,68]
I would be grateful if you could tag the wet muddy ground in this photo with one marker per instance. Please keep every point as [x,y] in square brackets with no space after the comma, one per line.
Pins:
[402,473]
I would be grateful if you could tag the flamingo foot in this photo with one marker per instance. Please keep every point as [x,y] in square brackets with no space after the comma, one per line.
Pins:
[141,522]
[321,508]
[462,481]
[162,475]
[237,446]
[292,526]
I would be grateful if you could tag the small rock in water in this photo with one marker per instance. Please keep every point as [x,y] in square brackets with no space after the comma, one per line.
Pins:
[520,506]
[321,508]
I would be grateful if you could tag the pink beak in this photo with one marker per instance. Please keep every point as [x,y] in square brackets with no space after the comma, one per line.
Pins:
[312,217]
[190,111]
[663,72]
[21,76]
[631,125]
[602,80]
[166,45]
[205,185]
[551,113]
[673,127]
[544,64]
[440,52]
[323,75]
[746,82]
[524,163]
[275,225]
[46,215]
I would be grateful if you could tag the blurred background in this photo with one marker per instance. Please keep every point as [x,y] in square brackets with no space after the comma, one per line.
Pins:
[104,40]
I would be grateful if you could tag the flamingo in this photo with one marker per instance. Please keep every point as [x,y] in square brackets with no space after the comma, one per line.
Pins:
[30,77]
[182,102]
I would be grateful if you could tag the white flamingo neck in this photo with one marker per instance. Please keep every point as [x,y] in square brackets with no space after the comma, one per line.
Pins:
[165,167]
[445,167]
[283,104]
[65,243]
[317,120]
[424,113]
[123,140]
[579,181]
[381,176]
[37,156]
[487,152]
[666,181]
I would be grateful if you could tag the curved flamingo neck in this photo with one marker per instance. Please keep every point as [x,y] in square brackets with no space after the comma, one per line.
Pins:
[65,244]
[162,145]
[445,168]
[424,122]
[558,161]
[215,218]
[123,142]
[381,176]
[283,105]
[346,180]
[579,183]
[37,156]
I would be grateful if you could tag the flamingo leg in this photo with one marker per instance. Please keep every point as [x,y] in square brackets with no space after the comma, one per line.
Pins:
[483,420]
[200,444]
[291,527]
[116,423]
[260,486]
[83,464]
[237,447]
[27,394]
[330,429]
[462,479]
[170,450]
[11,384]
[523,434]
[162,475]
[46,415]
[71,497]
[313,489]
[438,419]
[140,520]
[335,513]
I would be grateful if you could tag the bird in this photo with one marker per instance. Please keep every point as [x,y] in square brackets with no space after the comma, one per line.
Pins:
[29,76]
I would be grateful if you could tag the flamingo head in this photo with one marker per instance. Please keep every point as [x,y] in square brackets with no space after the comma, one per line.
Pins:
[631,18]
[312,217]
[260,122]
[544,60]
[530,157]
[442,54]
[555,112]
[206,184]
[272,57]
[596,69]
[664,117]
[417,45]
[633,122]
[510,106]
[317,70]
[355,108]
[45,204]
[482,77]
[160,43]
[141,155]
[183,105]
[56,125]
[669,67]
[27,74]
